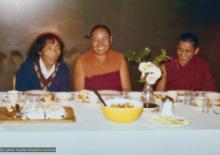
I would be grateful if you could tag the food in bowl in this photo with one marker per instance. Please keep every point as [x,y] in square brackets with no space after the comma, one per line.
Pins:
[123,105]
[122,110]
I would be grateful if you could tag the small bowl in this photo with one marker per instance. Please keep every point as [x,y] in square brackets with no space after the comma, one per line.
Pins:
[63,96]
[122,114]
[213,96]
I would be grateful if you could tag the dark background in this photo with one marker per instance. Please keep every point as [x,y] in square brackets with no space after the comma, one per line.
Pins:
[135,24]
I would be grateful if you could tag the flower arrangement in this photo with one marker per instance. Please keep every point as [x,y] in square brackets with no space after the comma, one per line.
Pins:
[150,71]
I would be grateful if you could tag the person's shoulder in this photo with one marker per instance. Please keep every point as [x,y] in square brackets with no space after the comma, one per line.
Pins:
[27,63]
[63,64]
[26,67]
[84,54]
[171,62]
[116,55]
[201,61]
[64,69]
[83,57]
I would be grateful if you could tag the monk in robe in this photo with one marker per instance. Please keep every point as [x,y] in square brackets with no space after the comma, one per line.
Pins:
[186,70]
[101,68]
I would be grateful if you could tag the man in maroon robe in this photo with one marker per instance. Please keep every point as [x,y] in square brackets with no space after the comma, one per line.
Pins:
[186,70]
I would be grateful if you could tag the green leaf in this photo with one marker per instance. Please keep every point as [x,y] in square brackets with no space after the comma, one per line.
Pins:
[161,58]
[130,55]
[144,54]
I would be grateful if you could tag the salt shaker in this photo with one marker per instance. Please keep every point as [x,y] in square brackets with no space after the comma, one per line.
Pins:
[167,106]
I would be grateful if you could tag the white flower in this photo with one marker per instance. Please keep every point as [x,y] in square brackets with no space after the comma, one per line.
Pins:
[151,79]
[157,72]
[151,71]
[146,67]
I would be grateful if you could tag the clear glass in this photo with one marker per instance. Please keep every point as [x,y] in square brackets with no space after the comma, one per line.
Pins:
[187,98]
[148,95]
[205,105]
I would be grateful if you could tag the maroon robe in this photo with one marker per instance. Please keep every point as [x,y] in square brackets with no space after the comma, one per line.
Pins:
[102,75]
[196,75]
[107,81]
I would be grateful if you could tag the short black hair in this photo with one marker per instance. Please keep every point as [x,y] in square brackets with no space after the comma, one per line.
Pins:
[40,42]
[189,37]
[102,27]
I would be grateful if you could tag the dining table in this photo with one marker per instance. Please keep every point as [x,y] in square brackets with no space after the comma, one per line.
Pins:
[93,134]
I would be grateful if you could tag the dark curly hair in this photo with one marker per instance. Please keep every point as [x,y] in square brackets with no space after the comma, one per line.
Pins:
[40,42]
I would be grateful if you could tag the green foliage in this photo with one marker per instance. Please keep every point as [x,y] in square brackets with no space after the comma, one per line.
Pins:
[145,54]
[161,58]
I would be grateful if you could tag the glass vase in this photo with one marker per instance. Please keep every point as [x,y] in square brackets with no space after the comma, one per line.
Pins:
[148,95]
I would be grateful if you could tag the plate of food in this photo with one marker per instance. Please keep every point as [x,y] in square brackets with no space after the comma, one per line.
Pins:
[86,96]
[174,121]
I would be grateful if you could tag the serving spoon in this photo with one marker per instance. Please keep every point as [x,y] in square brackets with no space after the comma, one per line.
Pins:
[100,98]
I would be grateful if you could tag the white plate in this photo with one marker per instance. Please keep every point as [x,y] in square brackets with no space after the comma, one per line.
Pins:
[36,92]
[109,92]
[151,109]
[63,96]
[174,121]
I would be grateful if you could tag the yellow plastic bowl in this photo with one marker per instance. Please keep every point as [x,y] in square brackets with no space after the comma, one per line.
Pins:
[122,115]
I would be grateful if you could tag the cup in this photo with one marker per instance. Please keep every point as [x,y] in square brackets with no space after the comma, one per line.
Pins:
[13,96]
[205,105]
[187,98]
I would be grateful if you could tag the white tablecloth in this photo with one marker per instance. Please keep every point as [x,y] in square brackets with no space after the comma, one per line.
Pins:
[93,134]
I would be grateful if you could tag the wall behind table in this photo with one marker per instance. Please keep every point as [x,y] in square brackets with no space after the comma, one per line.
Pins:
[134,24]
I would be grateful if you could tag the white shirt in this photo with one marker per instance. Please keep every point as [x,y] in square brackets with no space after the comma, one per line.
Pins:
[46,73]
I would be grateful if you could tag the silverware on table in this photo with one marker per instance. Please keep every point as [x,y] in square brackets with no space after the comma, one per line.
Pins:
[100,98]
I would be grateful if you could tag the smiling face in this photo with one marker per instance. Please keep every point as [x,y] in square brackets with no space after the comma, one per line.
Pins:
[101,41]
[185,52]
[50,53]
